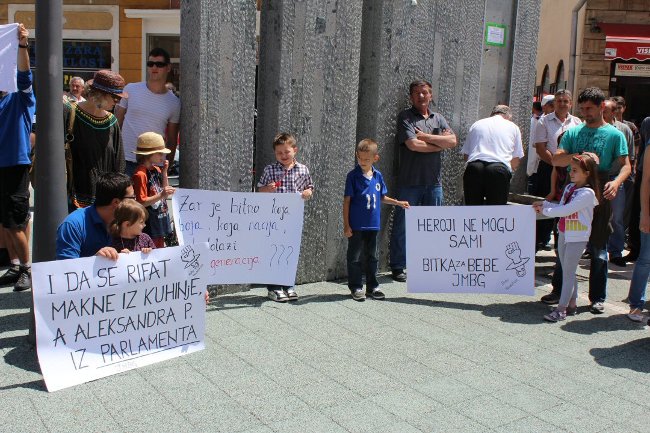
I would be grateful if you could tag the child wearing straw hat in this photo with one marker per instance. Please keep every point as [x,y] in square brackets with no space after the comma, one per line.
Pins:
[151,185]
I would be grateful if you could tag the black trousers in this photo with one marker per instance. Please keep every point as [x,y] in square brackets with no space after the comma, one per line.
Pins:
[544,227]
[486,183]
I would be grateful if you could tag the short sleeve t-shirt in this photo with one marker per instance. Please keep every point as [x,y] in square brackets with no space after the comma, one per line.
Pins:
[417,168]
[147,183]
[365,199]
[606,141]
[146,112]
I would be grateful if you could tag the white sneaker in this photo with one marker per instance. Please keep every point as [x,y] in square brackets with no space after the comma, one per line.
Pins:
[291,294]
[359,294]
[278,296]
[636,315]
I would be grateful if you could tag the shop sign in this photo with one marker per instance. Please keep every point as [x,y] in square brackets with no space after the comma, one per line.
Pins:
[81,54]
[632,70]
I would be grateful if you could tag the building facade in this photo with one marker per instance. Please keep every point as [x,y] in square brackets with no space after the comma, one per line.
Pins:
[108,34]
[612,50]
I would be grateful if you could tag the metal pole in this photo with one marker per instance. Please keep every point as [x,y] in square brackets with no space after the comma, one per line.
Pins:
[50,201]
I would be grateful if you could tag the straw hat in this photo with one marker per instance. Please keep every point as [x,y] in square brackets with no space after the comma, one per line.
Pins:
[109,82]
[149,143]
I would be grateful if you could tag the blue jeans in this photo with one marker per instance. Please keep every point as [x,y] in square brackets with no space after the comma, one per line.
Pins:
[597,275]
[616,241]
[640,274]
[416,196]
[362,244]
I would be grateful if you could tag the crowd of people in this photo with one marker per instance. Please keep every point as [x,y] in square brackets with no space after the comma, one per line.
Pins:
[120,139]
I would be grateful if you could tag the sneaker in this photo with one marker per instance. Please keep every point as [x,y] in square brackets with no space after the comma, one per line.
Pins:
[24,280]
[550,299]
[597,308]
[10,277]
[635,315]
[618,261]
[399,275]
[375,293]
[291,294]
[586,255]
[630,257]
[278,296]
[555,316]
[358,295]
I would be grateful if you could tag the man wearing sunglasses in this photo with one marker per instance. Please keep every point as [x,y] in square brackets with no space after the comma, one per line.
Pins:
[150,107]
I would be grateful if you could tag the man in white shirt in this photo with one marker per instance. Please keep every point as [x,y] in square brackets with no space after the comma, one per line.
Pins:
[150,107]
[492,150]
[547,131]
[76,90]
[545,107]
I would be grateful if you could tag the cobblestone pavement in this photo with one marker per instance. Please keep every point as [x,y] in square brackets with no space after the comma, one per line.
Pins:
[434,363]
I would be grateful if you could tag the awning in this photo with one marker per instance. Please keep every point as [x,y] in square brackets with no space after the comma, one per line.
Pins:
[626,41]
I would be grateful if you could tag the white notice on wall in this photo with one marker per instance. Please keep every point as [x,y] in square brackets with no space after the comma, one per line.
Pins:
[96,317]
[253,237]
[471,249]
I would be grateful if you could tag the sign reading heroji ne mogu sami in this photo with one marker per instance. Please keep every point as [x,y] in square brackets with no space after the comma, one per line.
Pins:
[96,317]
[471,249]
[253,237]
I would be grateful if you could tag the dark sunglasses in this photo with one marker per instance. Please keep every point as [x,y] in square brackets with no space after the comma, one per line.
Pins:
[151,64]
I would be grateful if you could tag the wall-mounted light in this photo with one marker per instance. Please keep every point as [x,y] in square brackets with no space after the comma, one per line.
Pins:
[593,25]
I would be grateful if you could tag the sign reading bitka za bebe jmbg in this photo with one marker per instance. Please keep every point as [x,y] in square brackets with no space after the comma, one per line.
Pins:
[471,249]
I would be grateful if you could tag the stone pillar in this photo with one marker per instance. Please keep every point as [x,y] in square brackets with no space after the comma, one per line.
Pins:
[218,87]
[308,84]
[522,78]
[440,41]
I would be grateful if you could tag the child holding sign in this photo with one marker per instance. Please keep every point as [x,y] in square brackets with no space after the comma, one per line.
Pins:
[364,188]
[151,185]
[126,228]
[576,212]
[286,176]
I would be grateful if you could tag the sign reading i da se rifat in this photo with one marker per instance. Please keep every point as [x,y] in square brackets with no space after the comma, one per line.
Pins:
[96,317]
[471,249]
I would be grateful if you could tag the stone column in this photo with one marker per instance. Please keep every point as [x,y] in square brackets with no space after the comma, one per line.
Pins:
[218,88]
[308,84]
[522,79]
[440,41]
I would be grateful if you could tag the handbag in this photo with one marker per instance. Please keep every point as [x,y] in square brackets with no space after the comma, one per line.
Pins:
[69,138]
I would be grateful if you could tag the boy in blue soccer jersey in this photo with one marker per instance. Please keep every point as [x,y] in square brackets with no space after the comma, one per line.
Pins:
[365,190]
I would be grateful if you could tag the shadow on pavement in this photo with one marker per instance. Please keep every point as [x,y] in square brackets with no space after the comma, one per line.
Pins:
[594,324]
[37,385]
[248,300]
[626,355]
[14,322]
[23,357]
[16,300]
[524,312]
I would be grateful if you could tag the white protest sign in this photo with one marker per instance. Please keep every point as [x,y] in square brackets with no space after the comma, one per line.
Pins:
[253,237]
[8,57]
[471,249]
[96,317]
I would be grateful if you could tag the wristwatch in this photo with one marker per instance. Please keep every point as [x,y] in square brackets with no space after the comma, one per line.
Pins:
[23,46]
